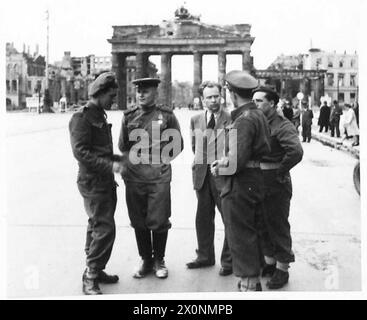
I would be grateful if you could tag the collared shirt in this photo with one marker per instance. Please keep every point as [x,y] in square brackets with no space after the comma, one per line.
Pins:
[208,115]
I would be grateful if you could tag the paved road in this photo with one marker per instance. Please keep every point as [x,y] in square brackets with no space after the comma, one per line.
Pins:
[46,220]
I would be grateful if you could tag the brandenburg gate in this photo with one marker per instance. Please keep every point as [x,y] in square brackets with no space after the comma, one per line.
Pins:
[185,34]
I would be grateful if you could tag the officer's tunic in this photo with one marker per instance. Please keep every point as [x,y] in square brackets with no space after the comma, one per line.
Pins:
[243,191]
[148,194]
[91,143]
[286,152]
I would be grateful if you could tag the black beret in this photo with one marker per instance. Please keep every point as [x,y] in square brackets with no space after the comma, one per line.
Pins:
[103,81]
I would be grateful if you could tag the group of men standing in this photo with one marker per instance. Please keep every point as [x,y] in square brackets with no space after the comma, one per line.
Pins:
[241,166]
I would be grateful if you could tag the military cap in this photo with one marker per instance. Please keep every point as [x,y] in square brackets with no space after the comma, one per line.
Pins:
[103,81]
[265,89]
[241,80]
[146,82]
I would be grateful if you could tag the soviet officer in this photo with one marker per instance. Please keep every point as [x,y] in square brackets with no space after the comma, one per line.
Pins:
[243,190]
[91,143]
[147,132]
[286,152]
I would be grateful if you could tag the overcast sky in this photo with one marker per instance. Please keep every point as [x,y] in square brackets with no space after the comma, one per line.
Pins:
[282,26]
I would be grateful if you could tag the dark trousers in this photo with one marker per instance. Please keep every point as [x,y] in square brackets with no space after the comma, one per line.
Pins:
[322,126]
[276,238]
[334,126]
[306,132]
[208,197]
[149,207]
[101,229]
[242,215]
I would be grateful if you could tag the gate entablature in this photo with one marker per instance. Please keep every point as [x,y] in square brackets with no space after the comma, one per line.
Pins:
[185,34]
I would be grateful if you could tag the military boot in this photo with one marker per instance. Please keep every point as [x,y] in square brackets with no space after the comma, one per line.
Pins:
[160,269]
[146,266]
[90,284]
[268,270]
[278,280]
[144,242]
[247,284]
[103,277]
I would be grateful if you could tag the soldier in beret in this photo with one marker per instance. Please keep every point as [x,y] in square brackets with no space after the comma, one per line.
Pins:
[148,174]
[91,143]
[286,152]
[243,190]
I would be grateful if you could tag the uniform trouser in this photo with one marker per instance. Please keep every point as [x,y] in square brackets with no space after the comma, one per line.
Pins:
[334,126]
[101,228]
[306,132]
[149,207]
[242,214]
[322,126]
[208,197]
[276,238]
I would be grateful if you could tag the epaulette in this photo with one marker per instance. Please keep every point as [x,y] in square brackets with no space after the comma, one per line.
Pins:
[164,108]
[133,109]
[82,109]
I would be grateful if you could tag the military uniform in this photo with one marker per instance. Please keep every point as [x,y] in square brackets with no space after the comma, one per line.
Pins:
[148,195]
[286,152]
[243,191]
[91,143]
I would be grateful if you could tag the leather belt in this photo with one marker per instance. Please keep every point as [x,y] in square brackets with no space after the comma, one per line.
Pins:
[269,165]
[253,164]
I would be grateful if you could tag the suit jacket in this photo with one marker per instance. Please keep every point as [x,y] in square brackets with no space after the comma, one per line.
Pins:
[207,145]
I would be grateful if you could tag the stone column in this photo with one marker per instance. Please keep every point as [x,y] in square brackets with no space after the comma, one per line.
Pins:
[198,74]
[141,65]
[165,94]
[222,61]
[247,61]
[119,67]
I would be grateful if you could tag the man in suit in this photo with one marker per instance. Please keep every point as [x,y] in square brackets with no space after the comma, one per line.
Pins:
[207,132]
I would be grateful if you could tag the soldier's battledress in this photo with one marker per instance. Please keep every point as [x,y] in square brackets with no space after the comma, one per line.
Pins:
[91,143]
[286,152]
[243,190]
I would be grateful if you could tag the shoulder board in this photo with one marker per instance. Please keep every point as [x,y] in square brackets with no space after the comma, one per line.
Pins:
[133,109]
[164,109]
[83,108]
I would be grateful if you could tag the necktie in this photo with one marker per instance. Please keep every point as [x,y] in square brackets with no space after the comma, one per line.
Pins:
[211,122]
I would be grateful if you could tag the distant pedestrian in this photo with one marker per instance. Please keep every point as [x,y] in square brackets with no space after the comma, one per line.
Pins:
[356,111]
[296,119]
[307,116]
[350,124]
[324,117]
[335,113]
[288,110]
